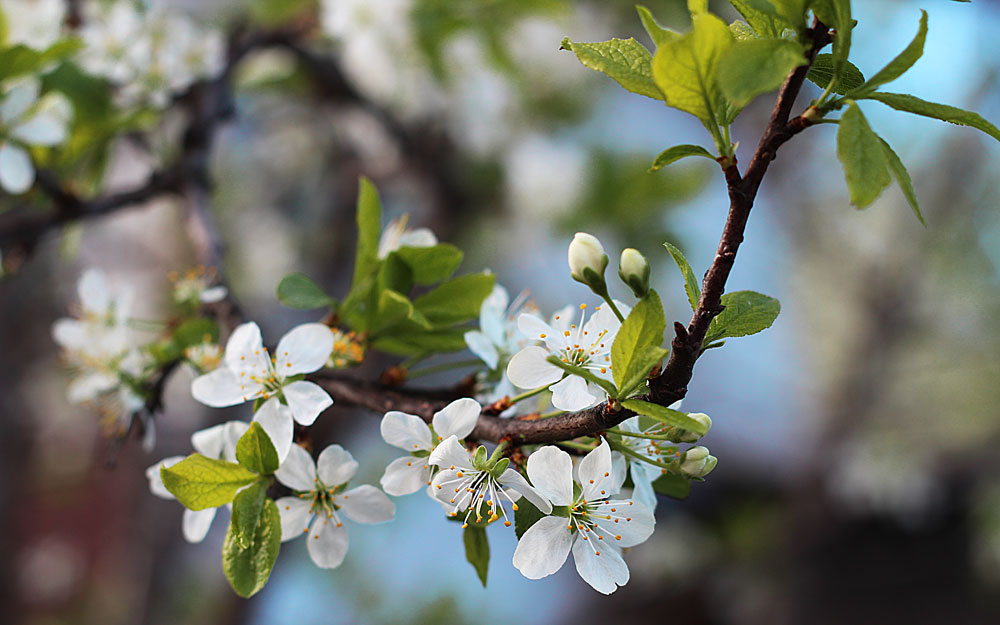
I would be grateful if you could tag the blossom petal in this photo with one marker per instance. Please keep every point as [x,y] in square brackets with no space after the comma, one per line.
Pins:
[88,387]
[298,471]
[605,572]
[551,472]
[213,294]
[303,349]
[450,453]
[327,543]
[515,480]
[295,516]
[196,523]
[619,469]
[529,368]
[543,548]
[231,437]
[595,472]
[211,441]
[643,482]
[367,504]
[47,127]
[635,523]
[221,388]
[306,400]
[481,345]
[94,292]
[71,334]
[336,466]
[405,475]
[17,174]
[19,98]
[276,419]
[492,316]
[457,418]
[418,237]
[535,329]
[245,348]
[156,485]
[572,393]
[405,431]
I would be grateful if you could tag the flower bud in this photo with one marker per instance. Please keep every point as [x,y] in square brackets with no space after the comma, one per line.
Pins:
[587,261]
[633,269]
[687,436]
[697,462]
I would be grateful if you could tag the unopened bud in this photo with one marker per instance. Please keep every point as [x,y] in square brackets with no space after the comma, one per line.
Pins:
[633,269]
[687,436]
[587,261]
[698,462]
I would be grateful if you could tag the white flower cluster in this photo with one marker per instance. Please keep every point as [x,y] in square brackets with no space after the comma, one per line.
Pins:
[28,119]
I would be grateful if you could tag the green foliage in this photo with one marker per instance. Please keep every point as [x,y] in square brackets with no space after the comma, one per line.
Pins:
[608,387]
[457,300]
[199,482]
[297,290]
[369,220]
[676,153]
[418,343]
[899,65]
[950,114]
[750,68]
[821,73]
[19,60]
[525,516]
[477,550]
[690,281]
[860,151]
[673,486]
[898,171]
[194,331]
[762,16]
[837,14]
[666,416]
[247,508]
[637,347]
[256,452]
[686,69]
[247,568]
[627,61]
[745,313]
[431,264]
[657,33]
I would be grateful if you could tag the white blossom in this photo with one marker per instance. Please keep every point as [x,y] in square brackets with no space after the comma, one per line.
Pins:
[643,473]
[586,253]
[34,23]
[498,336]
[248,372]
[596,527]
[28,120]
[320,501]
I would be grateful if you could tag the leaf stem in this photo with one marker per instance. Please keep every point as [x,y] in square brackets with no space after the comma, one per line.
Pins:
[527,394]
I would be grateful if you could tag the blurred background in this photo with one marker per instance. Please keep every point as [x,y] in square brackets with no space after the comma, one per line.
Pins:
[857,480]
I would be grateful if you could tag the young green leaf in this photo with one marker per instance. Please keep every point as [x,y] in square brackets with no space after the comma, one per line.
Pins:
[297,290]
[899,65]
[750,68]
[657,33]
[898,171]
[394,273]
[676,153]
[690,281]
[247,568]
[686,69]
[431,264]
[951,114]
[673,486]
[792,13]
[195,331]
[860,151]
[457,300]
[837,14]
[199,482]
[525,516]
[477,551]
[761,16]
[821,73]
[625,60]
[256,452]
[608,387]
[745,313]
[667,416]
[247,508]
[637,346]
[394,308]
[369,219]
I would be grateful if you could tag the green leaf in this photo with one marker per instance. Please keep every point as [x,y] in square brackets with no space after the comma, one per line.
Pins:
[195,331]
[637,346]
[525,516]
[247,568]
[657,33]
[860,151]
[761,16]
[90,95]
[950,114]
[899,65]
[369,219]
[477,551]
[697,6]
[20,59]
[676,153]
[750,68]
[791,12]
[247,508]
[625,60]
[199,482]
[667,416]
[690,281]
[413,341]
[608,387]
[394,273]
[686,69]
[297,290]
[673,486]
[431,264]
[392,309]
[745,313]
[821,73]
[457,300]
[837,14]
[256,452]
[898,171]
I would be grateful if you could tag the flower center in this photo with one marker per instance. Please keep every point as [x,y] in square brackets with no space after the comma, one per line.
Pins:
[584,517]
[474,489]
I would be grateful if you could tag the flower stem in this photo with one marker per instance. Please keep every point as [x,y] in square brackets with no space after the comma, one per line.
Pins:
[445,366]
[573,445]
[549,415]
[527,394]
[628,452]
[614,309]
[655,437]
